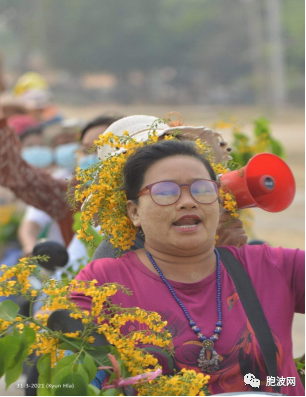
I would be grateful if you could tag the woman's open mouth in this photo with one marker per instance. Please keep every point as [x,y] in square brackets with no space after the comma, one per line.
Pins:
[186,224]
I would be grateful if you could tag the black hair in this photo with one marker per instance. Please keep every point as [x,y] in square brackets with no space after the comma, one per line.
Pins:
[31,131]
[101,120]
[137,165]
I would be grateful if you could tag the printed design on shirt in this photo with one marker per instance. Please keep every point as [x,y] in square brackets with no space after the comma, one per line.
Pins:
[177,326]
[232,299]
[244,356]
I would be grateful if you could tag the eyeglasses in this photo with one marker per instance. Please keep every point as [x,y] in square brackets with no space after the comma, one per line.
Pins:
[204,191]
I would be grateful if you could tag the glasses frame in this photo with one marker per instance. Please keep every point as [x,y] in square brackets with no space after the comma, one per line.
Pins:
[149,187]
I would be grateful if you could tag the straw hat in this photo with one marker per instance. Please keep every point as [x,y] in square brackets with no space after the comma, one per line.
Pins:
[139,127]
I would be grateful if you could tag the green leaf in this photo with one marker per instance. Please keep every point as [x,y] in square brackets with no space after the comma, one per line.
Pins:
[72,384]
[13,374]
[100,354]
[66,366]
[78,342]
[64,362]
[9,347]
[277,148]
[8,310]
[44,367]
[262,126]
[110,392]
[45,374]
[90,367]
[27,338]
[79,369]
[241,136]
[92,390]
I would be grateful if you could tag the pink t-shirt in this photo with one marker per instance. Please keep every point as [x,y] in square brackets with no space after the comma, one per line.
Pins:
[278,277]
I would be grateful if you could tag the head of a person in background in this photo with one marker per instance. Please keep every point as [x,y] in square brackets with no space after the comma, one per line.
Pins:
[64,140]
[27,128]
[32,91]
[89,134]
[32,136]
[30,133]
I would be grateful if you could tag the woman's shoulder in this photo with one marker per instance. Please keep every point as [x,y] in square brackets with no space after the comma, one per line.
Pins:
[264,255]
[264,261]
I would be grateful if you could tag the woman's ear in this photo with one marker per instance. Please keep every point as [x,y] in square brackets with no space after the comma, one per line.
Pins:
[132,211]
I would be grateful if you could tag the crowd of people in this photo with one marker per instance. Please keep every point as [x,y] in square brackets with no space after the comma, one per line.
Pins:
[172,198]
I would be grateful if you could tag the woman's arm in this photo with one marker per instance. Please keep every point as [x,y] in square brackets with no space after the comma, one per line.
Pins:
[30,184]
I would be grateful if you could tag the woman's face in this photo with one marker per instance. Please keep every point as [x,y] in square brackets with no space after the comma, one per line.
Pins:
[160,223]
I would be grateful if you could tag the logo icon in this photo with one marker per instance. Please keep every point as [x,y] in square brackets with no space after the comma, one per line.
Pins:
[249,379]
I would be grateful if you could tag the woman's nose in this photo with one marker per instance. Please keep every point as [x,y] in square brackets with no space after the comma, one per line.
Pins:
[186,200]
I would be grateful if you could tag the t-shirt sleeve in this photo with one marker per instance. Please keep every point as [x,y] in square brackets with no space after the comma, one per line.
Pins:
[290,263]
[37,216]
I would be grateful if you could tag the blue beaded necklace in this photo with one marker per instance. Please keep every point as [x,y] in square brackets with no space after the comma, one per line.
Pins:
[205,364]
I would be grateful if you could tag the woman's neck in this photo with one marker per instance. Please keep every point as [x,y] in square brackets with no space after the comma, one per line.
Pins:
[187,269]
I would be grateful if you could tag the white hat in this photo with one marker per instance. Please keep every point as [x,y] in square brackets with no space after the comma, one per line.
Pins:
[139,127]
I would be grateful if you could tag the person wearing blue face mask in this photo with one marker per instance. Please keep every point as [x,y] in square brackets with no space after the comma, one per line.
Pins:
[62,155]
[39,156]
[65,155]
[64,152]
[87,160]
[89,134]
[64,140]
[33,149]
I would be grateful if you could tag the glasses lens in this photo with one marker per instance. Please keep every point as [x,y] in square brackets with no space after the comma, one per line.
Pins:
[165,193]
[205,192]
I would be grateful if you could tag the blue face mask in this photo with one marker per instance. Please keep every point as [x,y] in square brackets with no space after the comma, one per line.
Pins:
[38,156]
[65,155]
[88,160]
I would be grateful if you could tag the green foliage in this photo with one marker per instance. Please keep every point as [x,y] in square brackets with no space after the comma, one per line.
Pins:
[25,340]
[8,310]
[9,347]
[300,366]
[110,392]
[78,344]
[45,375]
[10,218]
[244,148]
[91,245]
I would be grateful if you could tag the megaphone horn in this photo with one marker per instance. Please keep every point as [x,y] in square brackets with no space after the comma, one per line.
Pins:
[265,182]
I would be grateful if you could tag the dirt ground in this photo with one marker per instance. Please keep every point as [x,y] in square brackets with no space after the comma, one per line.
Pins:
[284,229]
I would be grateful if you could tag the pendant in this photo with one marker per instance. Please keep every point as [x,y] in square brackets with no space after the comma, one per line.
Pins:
[204,364]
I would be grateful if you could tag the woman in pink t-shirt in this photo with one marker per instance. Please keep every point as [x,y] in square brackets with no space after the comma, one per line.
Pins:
[172,194]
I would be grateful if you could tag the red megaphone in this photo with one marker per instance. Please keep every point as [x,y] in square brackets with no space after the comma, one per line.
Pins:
[266,182]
